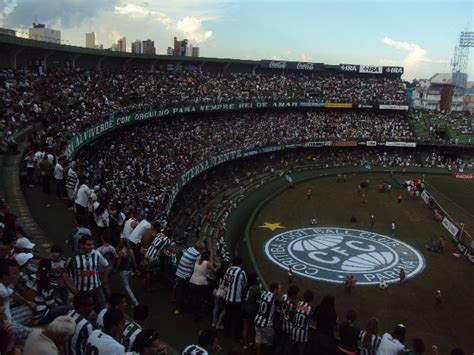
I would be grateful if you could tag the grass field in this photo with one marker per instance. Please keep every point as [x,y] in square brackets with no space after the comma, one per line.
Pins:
[411,303]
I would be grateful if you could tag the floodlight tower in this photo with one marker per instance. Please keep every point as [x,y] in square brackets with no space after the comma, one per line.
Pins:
[461,59]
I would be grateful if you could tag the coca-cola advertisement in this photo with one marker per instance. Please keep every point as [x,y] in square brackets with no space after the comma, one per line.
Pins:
[281,64]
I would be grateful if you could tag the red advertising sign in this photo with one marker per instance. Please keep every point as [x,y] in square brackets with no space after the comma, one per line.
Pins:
[468,176]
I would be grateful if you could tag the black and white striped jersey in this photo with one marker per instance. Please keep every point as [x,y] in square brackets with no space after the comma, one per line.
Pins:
[266,310]
[129,334]
[300,322]
[76,345]
[84,270]
[159,244]
[370,346]
[287,309]
[234,282]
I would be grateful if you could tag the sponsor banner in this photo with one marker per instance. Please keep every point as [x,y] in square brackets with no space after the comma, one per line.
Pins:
[365,106]
[311,104]
[351,68]
[394,107]
[345,143]
[393,70]
[314,144]
[371,143]
[370,69]
[281,64]
[338,105]
[465,251]
[425,196]
[400,144]
[450,227]
[467,176]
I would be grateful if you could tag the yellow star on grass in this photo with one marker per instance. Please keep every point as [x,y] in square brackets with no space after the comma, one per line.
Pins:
[272,226]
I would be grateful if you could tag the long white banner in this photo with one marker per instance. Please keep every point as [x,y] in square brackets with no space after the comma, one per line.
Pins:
[450,227]
[371,69]
[400,144]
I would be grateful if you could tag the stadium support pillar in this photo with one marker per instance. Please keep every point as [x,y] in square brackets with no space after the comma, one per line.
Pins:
[45,57]
[225,67]
[99,63]
[13,55]
[152,65]
[200,66]
[254,68]
[73,60]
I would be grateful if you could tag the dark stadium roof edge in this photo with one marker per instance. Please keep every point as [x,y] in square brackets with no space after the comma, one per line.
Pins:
[60,54]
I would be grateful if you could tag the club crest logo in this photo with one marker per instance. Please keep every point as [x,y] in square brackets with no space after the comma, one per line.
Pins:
[331,254]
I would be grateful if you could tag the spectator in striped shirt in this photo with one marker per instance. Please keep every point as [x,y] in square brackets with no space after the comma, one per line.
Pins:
[207,344]
[83,307]
[287,307]
[264,331]
[133,329]
[235,280]
[84,268]
[58,277]
[149,343]
[116,301]
[304,312]
[184,272]
[47,308]
[369,339]
[250,308]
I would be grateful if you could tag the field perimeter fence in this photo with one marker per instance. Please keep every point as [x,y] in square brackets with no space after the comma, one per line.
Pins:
[457,230]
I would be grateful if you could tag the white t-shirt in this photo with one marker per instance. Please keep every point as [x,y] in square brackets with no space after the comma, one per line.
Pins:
[100,343]
[127,228]
[5,293]
[390,346]
[83,194]
[58,172]
[137,234]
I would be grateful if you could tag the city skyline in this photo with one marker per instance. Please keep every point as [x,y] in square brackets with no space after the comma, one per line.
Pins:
[419,35]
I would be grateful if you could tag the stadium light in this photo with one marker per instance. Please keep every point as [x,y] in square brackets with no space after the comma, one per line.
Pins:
[466,39]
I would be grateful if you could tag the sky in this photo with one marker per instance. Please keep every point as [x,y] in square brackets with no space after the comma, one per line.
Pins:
[417,34]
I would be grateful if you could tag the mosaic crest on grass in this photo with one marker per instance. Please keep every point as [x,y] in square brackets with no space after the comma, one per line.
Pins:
[331,254]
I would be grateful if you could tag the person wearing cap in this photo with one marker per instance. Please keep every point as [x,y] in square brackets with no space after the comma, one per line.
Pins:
[148,343]
[392,344]
[23,244]
[207,344]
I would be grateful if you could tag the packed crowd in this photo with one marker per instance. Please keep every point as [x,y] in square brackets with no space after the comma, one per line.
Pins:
[72,99]
[125,164]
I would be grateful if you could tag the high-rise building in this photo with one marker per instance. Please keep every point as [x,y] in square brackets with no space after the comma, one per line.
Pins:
[180,47]
[170,51]
[39,32]
[148,47]
[114,47]
[195,52]
[189,50]
[122,44]
[137,47]
[90,40]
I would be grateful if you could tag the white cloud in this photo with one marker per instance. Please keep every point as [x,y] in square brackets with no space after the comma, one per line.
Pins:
[415,60]
[189,27]
[6,8]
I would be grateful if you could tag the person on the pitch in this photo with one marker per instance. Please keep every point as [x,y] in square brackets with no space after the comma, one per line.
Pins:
[402,275]
[290,274]
[400,197]
[372,221]
[308,193]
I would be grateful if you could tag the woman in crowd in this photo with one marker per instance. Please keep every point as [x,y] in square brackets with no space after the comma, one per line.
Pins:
[125,264]
[218,312]
[198,283]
